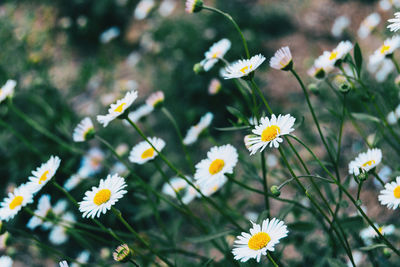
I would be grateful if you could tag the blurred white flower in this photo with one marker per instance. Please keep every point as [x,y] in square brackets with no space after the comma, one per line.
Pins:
[7,90]
[143,8]
[6,261]
[216,52]
[282,59]
[194,132]
[368,25]
[340,25]
[167,7]
[365,161]
[369,233]
[109,34]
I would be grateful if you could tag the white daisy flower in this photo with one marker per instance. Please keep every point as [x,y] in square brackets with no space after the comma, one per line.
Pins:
[214,87]
[391,118]
[385,50]
[261,238]
[243,67]
[6,261]
[386,68]
[83,258]
[43,208]
[91,162]
[387,4]
[365,161]
[139,113]
[192,6]
[340,24]
[143,152]
[7,90]
[395,22]
[369,233]
[58,234]
[43,174]
[220,160]
[109,34]
[143,8]
[179,186]
[368,25]
[64,264]
[83,131]
[16,200]
[118,108]
[211,187]
[194,132]
[73,181]
[101,198]
[330,58]
[216,51]
[167,7]
[390,196]
[156,99]
[269,132]
[282,59]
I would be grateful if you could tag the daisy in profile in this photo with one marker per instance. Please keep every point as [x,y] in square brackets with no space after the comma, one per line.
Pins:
[6,261]
[220,161]
[7,90]
[143,152]
[262,238]
[156,99]
[386,50]
[16,200]
[100,199]
[368,234]
[395,22]
[216,52]
[43,208]
[82,258]
[64,264]
[179,186]
[365,161]
[340,25]
[243,67]
[43,174]
[330,58]
[192,6]
[194,132]
[282,59]
[59,233]
[139,113]
[368,25]
[118,108]
[84,131]
[269,132]
[214,87]
[91,162]
[390,196]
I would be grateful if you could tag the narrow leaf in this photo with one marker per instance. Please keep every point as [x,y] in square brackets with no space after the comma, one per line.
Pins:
[205,238]
[365,117]
[358,58]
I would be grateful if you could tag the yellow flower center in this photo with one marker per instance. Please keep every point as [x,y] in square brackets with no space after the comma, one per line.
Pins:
[369,163]
[259,241]
[178,189]
[245,69]
[102,197]
[43,178]
[334,55]
[148,153]
[17,201]
[216,166]
[380,229]
[270,133]
[120,107]
[216,54]
[396,192]
[384,49]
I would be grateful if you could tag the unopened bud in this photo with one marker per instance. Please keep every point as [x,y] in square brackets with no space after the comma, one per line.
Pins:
[275,191]
[198,68]
[123,253]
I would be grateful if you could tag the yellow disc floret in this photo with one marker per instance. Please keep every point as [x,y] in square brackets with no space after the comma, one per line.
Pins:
[17,201]
[148,153]
[270,133]
[43,178]
[384,49]
[396,192]
[259,241]
[369,163]
[216,166]
[102,197]
[120,107]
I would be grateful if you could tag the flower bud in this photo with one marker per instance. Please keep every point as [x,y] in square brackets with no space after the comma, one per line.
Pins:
[275,191]
[387,253]
[313,88]
[123,253]
[198,68]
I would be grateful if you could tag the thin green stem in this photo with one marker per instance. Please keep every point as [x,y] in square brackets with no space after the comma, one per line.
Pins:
[133,263]
[272,260]
[303,176]
[395,63]
[265,183]
[378,178]
[229,17]
[175,124]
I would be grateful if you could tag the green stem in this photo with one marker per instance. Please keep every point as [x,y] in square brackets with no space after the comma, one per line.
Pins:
[175,124]
[272,260]
[395,63]
[133,263]
[303,176]
[359,189]
[265,183]
[229,17]
[379,178]
[129,227]
[43,130]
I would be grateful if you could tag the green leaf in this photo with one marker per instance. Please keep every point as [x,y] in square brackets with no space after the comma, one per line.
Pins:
[372,247]
[301,226]
[365,117]
[205,238]
[353,222]
[358,58]
[237,128]
[237,113]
